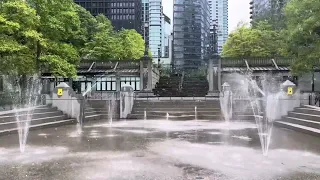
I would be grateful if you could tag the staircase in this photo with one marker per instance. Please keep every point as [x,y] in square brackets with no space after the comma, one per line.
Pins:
[177,110]
[43,116]
[168,86]
[99,109]
[304,119]
[195,86]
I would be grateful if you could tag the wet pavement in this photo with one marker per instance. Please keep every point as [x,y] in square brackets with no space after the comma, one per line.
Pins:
[162,150]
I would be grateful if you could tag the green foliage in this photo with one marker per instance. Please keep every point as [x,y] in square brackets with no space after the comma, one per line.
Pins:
[132,44]
[18,37]
[42,35]
[60,26]
[110,45]
[303,34]
[260,41]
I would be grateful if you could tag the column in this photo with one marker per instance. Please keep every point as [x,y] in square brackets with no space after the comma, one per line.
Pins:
[149,86]
[219,74]
[210,71]
[118,83]
[141,76]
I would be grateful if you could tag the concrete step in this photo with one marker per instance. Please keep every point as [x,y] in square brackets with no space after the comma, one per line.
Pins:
[167,109]
[182,117]
[13,124]
[37,110]
[190,105]
[177,113]
[41,126]
[297,127]
[93,117]
[4,119]
[306,110]
[303,122]
[304,116]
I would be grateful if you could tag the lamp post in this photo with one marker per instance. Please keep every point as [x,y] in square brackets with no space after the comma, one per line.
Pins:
[146,25]
[159,56]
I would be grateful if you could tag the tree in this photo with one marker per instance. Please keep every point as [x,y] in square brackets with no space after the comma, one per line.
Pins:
[132,43]
[260,41]
[108,44]
[303,34]
[88,27]
[59,25]
[18,37]
[105,44]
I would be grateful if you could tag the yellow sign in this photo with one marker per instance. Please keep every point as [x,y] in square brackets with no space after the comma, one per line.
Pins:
[290,90]
[60,92]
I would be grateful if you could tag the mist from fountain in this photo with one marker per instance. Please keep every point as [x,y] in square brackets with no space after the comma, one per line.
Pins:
[226,102]
[25,97]
[111,109]
[145,114]
[195,113]
[263,100]
[89,89]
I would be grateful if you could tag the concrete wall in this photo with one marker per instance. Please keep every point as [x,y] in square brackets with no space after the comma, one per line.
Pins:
[69,103]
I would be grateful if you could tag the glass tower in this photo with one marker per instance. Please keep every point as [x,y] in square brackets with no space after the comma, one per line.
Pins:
[219,19]
[122,13]
[191,28]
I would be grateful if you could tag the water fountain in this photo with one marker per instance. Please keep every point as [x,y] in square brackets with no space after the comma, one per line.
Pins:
[25,98]
[226,102]
[145,114]
[263,101]
[111,108]
[168,116]
[195,113]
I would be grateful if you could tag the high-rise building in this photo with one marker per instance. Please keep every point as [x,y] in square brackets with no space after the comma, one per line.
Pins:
[166,33]
[219,19]
[153,19]
[270,10]
[157,28]
[191,28]
[122,13]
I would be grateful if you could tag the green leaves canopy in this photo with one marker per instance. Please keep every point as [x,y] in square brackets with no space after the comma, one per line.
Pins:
[303,34]
[260,41]
[46,35]
[108,44]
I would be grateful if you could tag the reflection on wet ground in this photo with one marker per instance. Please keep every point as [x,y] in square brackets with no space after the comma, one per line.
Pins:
[160,150]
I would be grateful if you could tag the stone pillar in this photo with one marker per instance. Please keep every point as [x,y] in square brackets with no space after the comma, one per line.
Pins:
[210,71]
[118,83]
[141,76]
[219,74]
[149,86]
[213,78]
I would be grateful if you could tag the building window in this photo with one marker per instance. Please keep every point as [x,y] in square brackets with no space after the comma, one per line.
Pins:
[133,81]
[106,84]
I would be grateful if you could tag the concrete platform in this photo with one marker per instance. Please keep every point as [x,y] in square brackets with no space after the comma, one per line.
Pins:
[147,150]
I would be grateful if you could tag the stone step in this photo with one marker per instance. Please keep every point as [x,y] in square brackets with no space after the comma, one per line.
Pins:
[175,113]
[304,116]
[23,111]
[297,127]
[306,110]
[166,109]
[13,124]
[41,126]
[4,119]
[93,117]
[182,117]
[303,122]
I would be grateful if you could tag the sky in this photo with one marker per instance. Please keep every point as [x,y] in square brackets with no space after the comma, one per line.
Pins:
[238,11]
